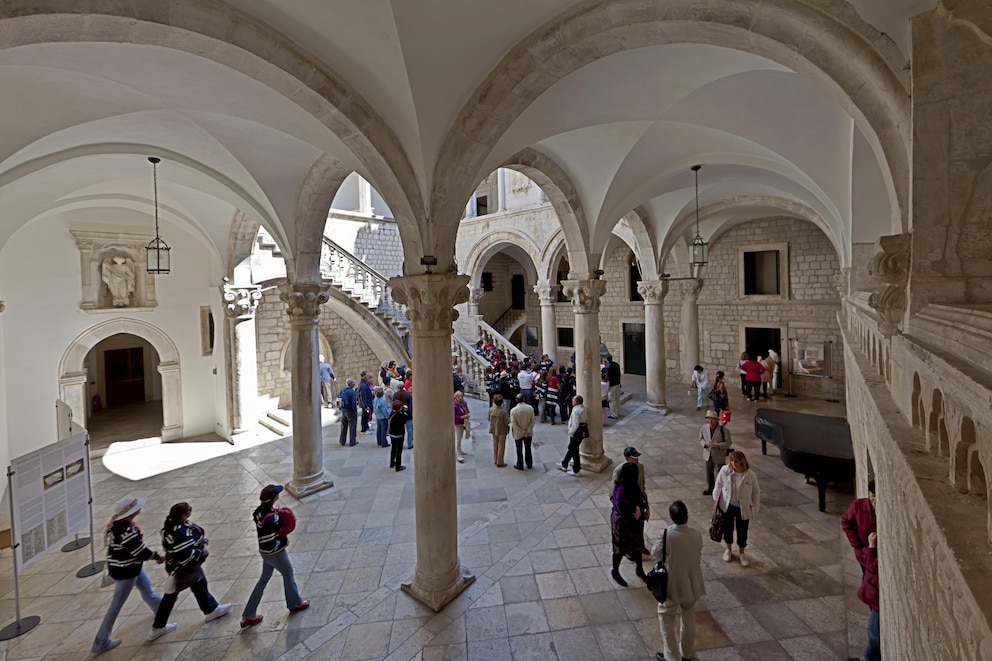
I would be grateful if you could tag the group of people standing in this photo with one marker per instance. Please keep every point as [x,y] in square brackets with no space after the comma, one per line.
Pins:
[185,548]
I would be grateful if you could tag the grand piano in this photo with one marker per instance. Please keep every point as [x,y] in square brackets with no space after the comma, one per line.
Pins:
[817,446]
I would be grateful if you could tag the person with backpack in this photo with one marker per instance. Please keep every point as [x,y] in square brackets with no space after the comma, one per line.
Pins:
[273,525]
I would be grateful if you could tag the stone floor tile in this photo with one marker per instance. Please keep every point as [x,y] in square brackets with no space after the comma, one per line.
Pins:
[740,626]
[367,641]
[457,652]
[566,613]
[555,584]
[486,623]
[602,608]
[620,641]
[577,645]
[497,649]
[526,618]
[519,589]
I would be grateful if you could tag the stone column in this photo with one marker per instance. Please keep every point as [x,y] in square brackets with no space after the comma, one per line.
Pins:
[303,303]
[501,189]
[365,197]
[653,292]
[474,298]
[689,326]
[585,295]
[548,294]
[430,299]
[242,359]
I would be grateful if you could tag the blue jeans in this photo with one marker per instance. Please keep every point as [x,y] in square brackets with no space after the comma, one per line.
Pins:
[281,563]
[122,589]
[409,434]
[874,650]
[381,425]
[699,397]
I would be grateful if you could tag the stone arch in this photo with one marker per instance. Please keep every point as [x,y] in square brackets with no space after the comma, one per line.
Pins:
[917,411]
[960,460]
[936,419]
[834,52]
[633,229]
[566,203]
[552,254]
[493,243]
[253,49]
[977,483]
[72,375]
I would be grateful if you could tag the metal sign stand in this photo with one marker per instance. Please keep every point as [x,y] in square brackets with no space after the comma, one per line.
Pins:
[76,544]
[833,396]
[19,626]
[792,373]
[94,567]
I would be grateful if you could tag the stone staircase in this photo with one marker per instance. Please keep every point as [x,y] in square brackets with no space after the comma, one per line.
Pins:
[510,321]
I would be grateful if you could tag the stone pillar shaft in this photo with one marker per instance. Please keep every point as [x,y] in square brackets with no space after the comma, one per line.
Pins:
[548,295]
[303,303]
[430,299]
[240,304]
[501,189]
[585,295]
[653,293]
[690,325]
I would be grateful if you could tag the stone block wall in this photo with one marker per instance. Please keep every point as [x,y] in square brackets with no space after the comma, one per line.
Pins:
[376,242]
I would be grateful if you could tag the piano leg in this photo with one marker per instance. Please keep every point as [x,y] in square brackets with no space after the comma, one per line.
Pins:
[764,447]
[821,490]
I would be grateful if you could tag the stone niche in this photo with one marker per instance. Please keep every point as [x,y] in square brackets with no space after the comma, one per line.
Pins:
[113,272]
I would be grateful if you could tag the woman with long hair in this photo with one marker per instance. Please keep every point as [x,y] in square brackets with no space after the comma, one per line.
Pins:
[499,427]
[185,551]
[739,496]
[626,526]
[722,402]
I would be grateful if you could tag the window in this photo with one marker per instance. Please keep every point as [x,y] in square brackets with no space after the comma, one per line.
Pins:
[633,277]
[487,281]
[566,337]
[206,330]
[482,205]
[763,270]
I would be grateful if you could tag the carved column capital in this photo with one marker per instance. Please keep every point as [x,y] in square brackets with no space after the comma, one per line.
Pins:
[890,264]
[241,302]
[2,306]
[547,292]
[475,295]
[430,299]
[653,291]
[690,288]
[303,301]
[585,294]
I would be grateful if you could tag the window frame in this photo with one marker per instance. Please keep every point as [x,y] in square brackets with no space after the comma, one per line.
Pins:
[784,272]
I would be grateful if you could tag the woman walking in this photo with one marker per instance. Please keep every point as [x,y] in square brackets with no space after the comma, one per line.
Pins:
[396,426]
[462,429]
[721,400]
[739,496]
[185,551]
[272,544]
[626,526]
[499,427]
[126,552]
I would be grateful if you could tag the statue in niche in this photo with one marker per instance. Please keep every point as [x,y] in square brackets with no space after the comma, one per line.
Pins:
[118,273]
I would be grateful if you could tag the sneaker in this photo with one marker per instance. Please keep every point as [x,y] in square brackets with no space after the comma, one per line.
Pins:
[460,458]
[302,606]
[563,469]
[727,556]
[744,561]
[154,634]
[111,644]
[220,611]
[400,468]
[250,621]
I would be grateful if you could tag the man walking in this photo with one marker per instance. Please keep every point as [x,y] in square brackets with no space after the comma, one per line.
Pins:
[522,428]
[632,456]
[613,375]
[578,429]
[349,413]
[326,376]
[682,547]
[859,524]
[715,440]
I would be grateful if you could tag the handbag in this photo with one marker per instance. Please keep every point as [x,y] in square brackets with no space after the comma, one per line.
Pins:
[724,416]
[716,521]
[657,578]
[106,580]
[715,395]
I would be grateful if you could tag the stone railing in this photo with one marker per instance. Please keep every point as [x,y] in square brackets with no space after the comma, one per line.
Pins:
[490,334]
[866,328]
[365,284]
[509,321]
[473,365]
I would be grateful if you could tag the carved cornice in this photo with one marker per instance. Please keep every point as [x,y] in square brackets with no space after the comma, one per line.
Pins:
[430,299]
[241,302]
[547,293]
[585,294]
[890,265]
[303,301]
[103,240]
[653,291]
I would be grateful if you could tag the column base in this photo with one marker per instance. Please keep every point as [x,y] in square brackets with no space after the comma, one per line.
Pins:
[659,408]
[299,491]
[438,599]
[173,433]
[595,463]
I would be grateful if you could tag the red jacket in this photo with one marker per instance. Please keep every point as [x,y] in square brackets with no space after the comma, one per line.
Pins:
[752,370]
[858,522]
[868,592]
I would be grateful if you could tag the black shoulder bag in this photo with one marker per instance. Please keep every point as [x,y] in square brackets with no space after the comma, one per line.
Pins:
[657,578]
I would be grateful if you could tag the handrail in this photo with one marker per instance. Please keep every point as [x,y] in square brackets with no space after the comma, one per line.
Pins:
[473,365]
[361,281]
[503,315]
[489,333]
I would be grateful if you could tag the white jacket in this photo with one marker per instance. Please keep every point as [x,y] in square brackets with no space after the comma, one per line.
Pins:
[701,381]
[750,492]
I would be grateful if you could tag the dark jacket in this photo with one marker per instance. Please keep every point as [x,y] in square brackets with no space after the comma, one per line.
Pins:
[365,394]
[127,551]
[185,547]
[397,424]
[406,398]
[349,400]
[267,526]
[613,373]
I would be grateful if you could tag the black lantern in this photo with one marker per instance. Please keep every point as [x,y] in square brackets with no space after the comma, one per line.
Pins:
[157,252]
[699,250]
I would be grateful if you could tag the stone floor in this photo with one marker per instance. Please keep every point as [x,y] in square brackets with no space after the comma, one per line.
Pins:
[537,541]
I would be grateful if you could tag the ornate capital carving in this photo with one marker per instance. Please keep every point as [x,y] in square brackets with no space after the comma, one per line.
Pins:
[690,288]
[430,299]
[303,301]
[890,264]
[547,292]
[842,280]
[475,295]
[585,294]
[653,291]
[2,306]
[241,302]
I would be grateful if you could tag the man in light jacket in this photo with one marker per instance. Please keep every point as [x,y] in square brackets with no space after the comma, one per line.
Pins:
[522,428]
[683,556]
[715,440]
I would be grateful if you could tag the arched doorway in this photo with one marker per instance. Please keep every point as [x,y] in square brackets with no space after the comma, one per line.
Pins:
[122,375]
[74,371]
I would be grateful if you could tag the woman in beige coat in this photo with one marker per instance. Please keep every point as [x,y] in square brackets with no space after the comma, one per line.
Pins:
[499,427]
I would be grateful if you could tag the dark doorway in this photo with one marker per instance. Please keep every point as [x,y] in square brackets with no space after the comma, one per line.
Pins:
[634,361]
[517,292]
[125,376]
[757,342]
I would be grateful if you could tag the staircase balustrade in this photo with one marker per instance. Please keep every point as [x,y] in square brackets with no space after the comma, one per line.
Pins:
[473,365]
[490,334]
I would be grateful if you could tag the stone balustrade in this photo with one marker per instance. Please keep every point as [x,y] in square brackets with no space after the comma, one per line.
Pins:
[865,328]
[473,365]
[490,334]
[364,283]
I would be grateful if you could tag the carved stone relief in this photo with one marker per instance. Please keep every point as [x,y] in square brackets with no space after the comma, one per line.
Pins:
[890,264]
[112,272]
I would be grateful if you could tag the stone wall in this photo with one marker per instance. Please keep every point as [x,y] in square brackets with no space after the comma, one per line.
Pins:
[374,241]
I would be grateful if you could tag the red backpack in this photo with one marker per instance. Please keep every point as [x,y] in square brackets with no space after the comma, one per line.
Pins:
[287,520]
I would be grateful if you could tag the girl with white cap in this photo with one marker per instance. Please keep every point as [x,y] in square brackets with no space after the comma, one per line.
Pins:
[126,553]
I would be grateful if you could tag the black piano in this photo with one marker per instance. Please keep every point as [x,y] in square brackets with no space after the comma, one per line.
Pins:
[817,446]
